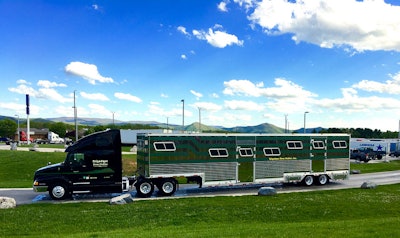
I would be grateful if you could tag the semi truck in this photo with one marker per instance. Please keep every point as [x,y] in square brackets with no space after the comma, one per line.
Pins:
[94,163]
[51,138]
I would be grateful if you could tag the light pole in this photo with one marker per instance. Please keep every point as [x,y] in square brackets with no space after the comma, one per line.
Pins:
[18,128]
[113,118]
[75,119]
[286,123]
[183,115]
[199,119]
[305,121]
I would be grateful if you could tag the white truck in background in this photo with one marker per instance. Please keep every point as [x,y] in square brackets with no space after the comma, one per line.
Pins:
[52,138]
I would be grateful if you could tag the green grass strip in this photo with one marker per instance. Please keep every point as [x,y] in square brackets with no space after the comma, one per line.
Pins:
[339,213]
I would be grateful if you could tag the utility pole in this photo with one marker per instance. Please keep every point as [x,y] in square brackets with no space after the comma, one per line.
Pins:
[286,124]
[113,118]
[305,121]
[183,115]
[199,119]
[18,129]
[75,119]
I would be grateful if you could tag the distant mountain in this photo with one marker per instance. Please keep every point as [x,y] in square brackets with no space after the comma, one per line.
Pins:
[262,128]
[309,130]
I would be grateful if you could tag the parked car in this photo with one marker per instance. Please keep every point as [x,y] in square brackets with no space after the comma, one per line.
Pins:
[359,156]
[5,140]
[395,153]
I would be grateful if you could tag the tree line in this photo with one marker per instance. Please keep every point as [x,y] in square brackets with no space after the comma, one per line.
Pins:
[8,128]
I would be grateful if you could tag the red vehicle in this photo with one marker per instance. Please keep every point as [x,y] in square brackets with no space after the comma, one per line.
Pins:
[23,137]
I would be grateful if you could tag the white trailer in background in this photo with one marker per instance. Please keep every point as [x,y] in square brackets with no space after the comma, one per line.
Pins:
[128,137]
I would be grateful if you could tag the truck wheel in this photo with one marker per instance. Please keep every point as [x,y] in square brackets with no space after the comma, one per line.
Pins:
[144,188]
[308,180]
[167,187]
[323,179]
[58,191]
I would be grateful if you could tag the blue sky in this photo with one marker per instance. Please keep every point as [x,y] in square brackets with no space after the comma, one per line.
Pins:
[239,62]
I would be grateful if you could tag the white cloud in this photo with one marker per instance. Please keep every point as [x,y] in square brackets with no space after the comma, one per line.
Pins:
[244,3]
[222,6]
[284,89]
[94,96]
[390,86]
[219,39]
[48,84]
[128,97]
[46,92]
[197,94]
[87,71]
[24,89]
[52,94]
[351,102]
[22,81]
[182,30]
[243,105]
[362,25]
[207,106]
[183,56]
[99,110]
[13,108]
[214,95]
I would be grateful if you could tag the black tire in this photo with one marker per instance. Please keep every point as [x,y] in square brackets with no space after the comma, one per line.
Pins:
[308,180]
[323,179]
[167,187]
[144,188]
[59,191]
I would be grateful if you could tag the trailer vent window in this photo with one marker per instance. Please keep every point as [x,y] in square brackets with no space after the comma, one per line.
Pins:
[339,144]
[246,152]
[164,146]
[294,145]
[272,151]
[318,145]
[221,152]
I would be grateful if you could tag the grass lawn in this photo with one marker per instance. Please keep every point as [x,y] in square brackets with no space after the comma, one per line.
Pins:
[337,213]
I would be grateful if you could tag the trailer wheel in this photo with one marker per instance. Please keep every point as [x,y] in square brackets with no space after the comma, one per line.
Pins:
[323,179]
[308,180]
[167,187]
[144,188]
[58,191]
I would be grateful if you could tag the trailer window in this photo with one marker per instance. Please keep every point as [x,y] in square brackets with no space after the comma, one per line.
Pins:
[339,144]
[294,145]
[246,152]
[274,151]
[318,145]
[164,146]
[218,152]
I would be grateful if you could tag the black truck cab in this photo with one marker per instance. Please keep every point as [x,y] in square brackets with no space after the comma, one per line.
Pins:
[92,165]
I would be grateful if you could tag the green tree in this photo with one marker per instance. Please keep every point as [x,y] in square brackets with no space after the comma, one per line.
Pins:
[59,128]
[8,128]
